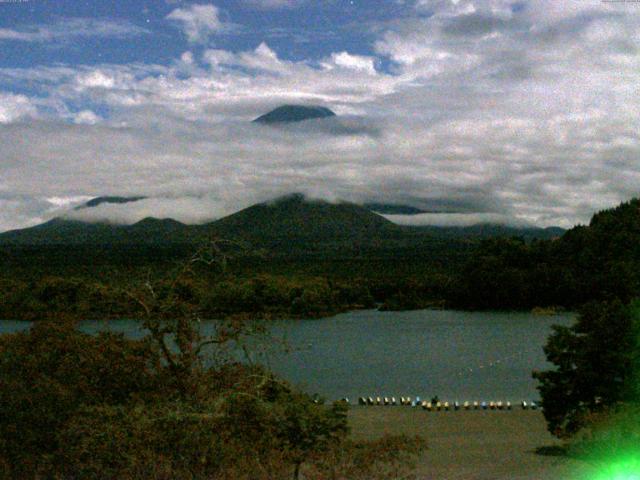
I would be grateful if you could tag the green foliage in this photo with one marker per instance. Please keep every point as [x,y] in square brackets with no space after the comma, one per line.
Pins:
[239,432]
[511,274]
[53,296]
[82,406]
[597,364]
[597,262]
[48,373]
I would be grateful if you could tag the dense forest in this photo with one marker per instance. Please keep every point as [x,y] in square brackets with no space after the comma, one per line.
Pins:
[308,276]
[596,262]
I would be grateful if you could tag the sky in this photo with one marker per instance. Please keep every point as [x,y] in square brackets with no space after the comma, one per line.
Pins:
[508,111]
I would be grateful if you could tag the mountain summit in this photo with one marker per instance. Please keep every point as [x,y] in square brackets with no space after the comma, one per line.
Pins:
[294,113]
[296,216]
[94,202]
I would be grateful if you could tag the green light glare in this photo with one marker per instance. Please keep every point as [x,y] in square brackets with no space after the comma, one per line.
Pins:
[625,468]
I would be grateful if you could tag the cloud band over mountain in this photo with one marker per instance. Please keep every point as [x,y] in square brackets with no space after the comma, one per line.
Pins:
[524,111]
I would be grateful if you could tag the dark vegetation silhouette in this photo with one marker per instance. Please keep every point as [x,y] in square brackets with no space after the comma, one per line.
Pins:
[596,363]
[295,270]
[592,395]
[101,406]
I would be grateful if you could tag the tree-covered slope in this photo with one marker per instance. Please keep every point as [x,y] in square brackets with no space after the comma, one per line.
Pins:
[295,216]
[60,231]
[594,262]
[292,216]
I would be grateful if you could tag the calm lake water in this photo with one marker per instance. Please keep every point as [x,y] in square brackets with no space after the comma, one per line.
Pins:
[452,354]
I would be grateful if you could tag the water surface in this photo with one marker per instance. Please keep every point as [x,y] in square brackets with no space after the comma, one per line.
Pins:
[452,354]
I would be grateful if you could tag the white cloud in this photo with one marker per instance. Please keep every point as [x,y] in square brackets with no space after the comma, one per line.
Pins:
[70,28]
[268,4]
[96,79]
[199,22]
[62,202]
[15,107]
[487,114]
[86,117]
[455,219]
[187,58]
[349,61]
[191,210]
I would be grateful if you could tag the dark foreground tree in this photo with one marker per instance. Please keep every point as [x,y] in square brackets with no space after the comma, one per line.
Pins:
[597,364]
[76,405]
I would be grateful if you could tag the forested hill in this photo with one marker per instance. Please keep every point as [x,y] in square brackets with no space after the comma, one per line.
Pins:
[288,217]
[295,216]
[291,216]
[490,230]
[60,231]
[598,261]
[333,245]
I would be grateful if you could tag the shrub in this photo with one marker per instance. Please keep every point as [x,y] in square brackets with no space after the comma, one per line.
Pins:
[49,372]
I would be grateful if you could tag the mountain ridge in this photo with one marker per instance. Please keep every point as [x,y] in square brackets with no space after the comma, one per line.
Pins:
[290,216]
[294,113]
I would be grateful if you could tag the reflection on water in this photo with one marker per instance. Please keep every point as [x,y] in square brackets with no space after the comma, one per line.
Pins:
[455,355]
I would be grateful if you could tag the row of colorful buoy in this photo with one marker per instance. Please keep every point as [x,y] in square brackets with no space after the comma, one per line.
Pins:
[442,406]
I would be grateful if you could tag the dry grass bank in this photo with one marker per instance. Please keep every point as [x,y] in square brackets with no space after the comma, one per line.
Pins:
[473,445]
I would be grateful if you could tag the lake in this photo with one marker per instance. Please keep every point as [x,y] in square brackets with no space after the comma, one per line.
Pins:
[452,354]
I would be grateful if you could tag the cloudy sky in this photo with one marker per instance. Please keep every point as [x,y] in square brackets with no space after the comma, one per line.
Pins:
[474,110]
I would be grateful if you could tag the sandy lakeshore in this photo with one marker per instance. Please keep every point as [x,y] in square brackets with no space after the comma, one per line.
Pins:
[473,445]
